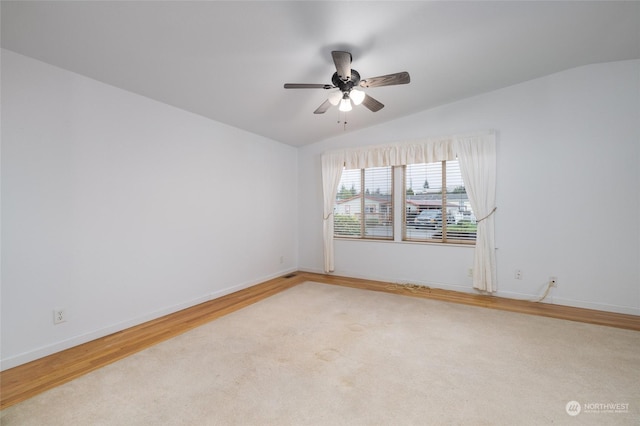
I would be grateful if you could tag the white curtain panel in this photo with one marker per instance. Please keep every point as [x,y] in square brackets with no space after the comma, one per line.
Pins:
[332,165]
[476,154]
[477,159]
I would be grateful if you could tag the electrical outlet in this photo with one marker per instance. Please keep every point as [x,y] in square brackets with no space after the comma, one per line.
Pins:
[553,281]
[470,272]
[59,315]
[518,274]
[281,259]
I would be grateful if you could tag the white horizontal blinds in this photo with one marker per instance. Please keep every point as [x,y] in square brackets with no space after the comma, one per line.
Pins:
[423,201]
[378,202]
[364,204]
[436,204]
[347,210]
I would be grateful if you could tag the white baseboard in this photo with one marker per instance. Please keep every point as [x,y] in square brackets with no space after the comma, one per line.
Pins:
[506,294]
[43,351]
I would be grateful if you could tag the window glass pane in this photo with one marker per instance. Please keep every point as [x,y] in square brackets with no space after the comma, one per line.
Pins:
[423,200]
[435,191]
[378,202]
[346,212]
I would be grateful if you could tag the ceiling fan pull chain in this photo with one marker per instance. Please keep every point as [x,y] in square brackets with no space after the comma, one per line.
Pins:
[344,120]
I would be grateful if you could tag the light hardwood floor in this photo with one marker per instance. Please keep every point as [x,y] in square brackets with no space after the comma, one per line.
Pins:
[25,381]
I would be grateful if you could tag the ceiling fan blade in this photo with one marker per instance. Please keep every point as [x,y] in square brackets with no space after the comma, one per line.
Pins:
[372,104]
[307,86]
[343,64]
[386,80]
[323,108]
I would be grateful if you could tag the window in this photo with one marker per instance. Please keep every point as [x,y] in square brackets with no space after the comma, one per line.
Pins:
[475,152]
[436,206]
[364,204]
[432,191]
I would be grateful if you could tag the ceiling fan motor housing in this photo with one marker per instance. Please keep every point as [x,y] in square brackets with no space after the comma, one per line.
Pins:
[346,86]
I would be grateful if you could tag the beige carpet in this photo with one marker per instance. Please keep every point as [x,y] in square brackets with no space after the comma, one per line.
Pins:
[318,354]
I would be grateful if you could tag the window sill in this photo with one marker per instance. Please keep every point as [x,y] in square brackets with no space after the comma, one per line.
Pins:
[420,243]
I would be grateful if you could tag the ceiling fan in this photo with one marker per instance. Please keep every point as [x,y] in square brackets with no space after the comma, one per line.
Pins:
[346,80]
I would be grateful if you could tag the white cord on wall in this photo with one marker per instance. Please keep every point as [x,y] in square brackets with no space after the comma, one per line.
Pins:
[552,283]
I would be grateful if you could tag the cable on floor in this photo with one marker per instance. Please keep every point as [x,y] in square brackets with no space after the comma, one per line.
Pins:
[413,288]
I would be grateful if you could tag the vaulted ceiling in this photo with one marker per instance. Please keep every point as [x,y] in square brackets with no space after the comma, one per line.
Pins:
[228,61]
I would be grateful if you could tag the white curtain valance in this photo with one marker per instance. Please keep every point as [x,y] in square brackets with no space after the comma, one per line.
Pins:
[402,153]
[476,153]
[399,154]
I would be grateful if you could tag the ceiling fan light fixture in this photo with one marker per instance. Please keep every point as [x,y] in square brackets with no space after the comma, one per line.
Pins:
[345,105]
[335,97]
[357,96]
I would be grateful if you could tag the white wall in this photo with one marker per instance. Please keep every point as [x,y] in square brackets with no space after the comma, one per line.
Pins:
[568,191]
[120,209]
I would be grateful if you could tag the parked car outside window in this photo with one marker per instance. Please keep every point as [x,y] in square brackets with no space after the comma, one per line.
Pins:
[431,219]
